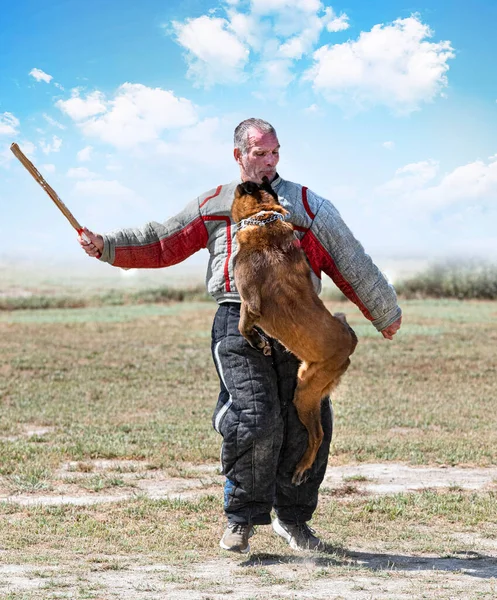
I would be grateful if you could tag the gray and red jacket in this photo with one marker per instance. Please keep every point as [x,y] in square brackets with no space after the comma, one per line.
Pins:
[206,223]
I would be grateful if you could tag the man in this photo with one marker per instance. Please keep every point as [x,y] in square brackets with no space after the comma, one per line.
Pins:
[263,439]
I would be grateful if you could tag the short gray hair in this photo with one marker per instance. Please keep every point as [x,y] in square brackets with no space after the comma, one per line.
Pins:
[241,132]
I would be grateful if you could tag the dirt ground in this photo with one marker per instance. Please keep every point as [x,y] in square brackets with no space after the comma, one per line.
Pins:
[360,574]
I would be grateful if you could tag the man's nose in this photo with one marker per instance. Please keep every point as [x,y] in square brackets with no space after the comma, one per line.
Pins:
[271,160]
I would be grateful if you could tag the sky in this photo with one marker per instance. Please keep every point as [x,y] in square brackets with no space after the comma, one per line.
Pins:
[388,109]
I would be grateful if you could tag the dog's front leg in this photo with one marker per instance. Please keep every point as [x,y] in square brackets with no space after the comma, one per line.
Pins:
[248,319]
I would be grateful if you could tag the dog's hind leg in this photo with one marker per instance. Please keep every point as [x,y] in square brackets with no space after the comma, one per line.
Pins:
[316,381]
[248,318]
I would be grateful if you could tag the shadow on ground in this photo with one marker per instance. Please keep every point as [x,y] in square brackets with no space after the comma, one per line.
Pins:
[473,564]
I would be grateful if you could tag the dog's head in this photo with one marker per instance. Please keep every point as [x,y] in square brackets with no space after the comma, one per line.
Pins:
[251,198]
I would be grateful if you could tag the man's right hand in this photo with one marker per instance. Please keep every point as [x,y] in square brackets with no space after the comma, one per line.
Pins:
[95,246]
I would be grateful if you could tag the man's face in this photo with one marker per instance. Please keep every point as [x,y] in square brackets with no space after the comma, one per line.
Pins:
[261,158]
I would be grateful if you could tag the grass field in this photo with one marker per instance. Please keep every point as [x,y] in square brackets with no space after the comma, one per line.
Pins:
[135,386]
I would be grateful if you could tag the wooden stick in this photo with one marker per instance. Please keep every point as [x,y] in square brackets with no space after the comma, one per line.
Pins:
[18,153]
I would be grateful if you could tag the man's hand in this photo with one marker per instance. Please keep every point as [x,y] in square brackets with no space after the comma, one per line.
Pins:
[392,329]
[95,246]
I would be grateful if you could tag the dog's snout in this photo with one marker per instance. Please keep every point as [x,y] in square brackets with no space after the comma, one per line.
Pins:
[249,187]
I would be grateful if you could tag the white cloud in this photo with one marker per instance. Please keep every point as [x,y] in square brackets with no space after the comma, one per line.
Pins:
[214,54]
[40,75]
[114,166]
[468,184]
[201,143]
[265,7]
[313,109]
[301,44]
[101,201]
[54,146]
[107,197]
[248,29]
[81,173]
[8,124]
[392,65]
[27,147]
[340,23]
[411,177]
[139,114]
[414,188]
[80,109]
[6,156]
[389,145]
[101,187]
[307,35]
[275,74]
[84,155]
[255,34]
[53,122]
[48,168]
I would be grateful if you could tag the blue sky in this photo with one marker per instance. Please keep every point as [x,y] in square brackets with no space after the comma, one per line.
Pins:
[388,109]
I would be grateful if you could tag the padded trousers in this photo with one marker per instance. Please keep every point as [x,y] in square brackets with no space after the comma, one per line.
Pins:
[263,438]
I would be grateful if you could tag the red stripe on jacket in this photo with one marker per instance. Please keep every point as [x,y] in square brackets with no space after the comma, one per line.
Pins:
[320,260]
[227,220]
[306,203]
[216,193]
[166,251]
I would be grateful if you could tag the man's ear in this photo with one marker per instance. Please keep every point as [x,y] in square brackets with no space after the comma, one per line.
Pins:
[237,154]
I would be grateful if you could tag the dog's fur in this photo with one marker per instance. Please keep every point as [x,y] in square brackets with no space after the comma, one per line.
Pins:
[274,281]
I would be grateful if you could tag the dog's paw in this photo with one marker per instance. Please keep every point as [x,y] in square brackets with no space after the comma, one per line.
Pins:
[265,346]
[262,343]
[300,476]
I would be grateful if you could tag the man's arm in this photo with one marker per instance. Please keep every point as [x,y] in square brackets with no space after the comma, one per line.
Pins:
[153,246]
[331,247]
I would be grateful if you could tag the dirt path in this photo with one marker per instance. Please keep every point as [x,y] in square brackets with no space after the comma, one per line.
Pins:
[383,478]
[363,573]
[371,575]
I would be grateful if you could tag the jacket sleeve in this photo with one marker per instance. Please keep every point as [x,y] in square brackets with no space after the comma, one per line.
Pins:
[331,247]
[157,245]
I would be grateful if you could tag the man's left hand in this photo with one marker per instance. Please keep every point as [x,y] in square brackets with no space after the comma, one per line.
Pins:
[392,329]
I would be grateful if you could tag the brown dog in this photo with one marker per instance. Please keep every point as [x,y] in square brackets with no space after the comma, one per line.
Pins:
[273,278]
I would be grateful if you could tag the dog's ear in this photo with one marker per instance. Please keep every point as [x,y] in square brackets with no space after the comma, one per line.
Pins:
[266,186]
[249,187]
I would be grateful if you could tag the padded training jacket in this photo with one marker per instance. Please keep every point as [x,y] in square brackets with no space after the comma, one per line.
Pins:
[206,223]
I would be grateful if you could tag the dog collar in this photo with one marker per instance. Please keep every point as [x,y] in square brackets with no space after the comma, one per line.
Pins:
[273,216]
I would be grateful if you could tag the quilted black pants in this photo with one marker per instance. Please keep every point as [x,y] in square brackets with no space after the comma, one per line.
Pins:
[263,438]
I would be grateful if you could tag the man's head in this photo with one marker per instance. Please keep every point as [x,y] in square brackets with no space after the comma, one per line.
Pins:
[256,150]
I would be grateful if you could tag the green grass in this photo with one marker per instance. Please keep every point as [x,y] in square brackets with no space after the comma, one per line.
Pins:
[111,297]
[137,383]
[424,522]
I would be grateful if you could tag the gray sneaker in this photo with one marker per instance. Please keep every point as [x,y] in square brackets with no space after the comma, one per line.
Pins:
[299,535]
[236,537]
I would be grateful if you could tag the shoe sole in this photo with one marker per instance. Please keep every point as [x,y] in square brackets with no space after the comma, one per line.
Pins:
[284,534]
[238,550]
[288,538]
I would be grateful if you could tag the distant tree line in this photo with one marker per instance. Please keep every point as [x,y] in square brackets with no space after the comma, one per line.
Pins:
[464,280]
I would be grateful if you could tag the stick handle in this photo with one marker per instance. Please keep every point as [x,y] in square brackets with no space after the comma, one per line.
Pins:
[29,166]
[87,239]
